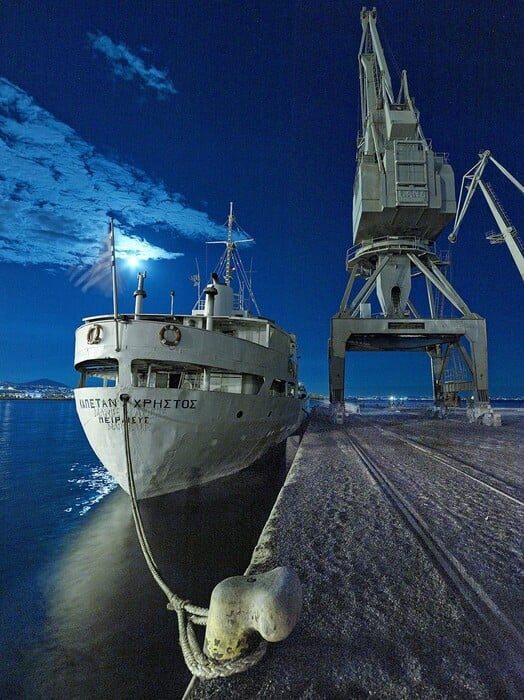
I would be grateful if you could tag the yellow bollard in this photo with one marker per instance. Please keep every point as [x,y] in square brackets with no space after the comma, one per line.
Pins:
[267,603]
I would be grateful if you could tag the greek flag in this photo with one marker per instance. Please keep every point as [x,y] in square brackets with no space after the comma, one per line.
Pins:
[98,274]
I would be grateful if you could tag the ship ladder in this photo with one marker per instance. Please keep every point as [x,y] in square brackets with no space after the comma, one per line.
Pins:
[188,614]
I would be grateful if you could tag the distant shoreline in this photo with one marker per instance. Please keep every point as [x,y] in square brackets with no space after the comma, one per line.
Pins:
[36,398]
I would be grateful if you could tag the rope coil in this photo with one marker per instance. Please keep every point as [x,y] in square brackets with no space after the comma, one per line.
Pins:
[188,614]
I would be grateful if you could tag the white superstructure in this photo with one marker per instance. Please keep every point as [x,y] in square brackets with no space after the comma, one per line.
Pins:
[209,392]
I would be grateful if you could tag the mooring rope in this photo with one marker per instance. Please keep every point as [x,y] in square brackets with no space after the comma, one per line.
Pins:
[188,614]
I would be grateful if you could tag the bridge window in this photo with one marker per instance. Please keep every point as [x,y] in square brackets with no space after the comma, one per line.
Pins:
[173,375]
[278,387]
[98,373]
[166,375]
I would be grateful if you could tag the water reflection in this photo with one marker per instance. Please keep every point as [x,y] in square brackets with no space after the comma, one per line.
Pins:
[108,632]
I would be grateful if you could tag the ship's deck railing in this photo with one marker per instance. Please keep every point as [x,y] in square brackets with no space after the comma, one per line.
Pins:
[170,318]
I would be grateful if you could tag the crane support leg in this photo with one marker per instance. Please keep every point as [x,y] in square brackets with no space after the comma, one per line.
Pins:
[337,364]
[437,367]
[337,367]
[477,338]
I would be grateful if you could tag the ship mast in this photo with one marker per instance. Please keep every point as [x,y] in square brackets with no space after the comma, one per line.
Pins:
[230,246]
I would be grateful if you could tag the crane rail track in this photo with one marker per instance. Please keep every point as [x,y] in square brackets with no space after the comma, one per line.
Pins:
[507,636]
[445,458]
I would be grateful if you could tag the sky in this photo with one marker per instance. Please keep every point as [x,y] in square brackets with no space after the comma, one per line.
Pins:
[161,113]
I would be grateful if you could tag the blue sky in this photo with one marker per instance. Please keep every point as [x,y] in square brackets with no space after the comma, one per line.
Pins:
[160,113]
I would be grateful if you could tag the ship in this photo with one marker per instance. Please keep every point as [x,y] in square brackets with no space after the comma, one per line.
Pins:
[207,393]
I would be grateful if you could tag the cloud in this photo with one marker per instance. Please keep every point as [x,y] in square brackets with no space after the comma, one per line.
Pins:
[57,193]
[129,67]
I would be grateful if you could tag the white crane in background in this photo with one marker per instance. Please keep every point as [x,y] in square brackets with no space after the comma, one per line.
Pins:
[508,233]
[403,199]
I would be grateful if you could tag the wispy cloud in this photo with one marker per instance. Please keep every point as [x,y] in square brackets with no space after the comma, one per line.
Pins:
[128,66]
[57,191]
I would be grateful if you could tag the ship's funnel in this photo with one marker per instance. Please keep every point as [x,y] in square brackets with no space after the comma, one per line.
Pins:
[223,300]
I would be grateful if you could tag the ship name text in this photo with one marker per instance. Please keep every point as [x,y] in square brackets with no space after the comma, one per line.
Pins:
[107,411]
[154,404]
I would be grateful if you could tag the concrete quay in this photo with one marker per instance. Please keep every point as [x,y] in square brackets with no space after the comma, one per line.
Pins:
[385,614]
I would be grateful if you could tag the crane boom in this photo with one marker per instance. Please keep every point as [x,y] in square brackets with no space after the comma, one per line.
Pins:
[508,174]
[508,233]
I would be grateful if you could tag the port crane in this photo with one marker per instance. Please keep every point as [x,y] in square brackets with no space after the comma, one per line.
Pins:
[403,198]
[507,232]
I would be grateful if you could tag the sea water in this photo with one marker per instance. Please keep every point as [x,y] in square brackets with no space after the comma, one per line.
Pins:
[80,616]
